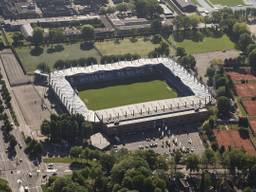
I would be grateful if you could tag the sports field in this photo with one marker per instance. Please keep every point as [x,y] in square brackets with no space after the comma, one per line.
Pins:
[125,94]
[209,44]
[71,51]
[125,46]
[228,2]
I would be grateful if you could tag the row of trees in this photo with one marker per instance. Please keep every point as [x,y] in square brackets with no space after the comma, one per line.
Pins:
[146,171]
[61,64]
[116,58]
[7,127]
[72,128]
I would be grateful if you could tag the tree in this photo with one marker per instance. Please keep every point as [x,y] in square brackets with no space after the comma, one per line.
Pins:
[180,51]
[88,33]
[209,157]
[224,106]
[75,152]
[43,67]
[247,189]
[13,141]
[4,187]
[194,20]
[240,28]
[56,35]
[156,39]
[148,8]
[17,37]
[121,7]
[221,91]
[252,59]
[156,25]
[38,36]
[45,128]
[188,61]
[244,40]
[192,163]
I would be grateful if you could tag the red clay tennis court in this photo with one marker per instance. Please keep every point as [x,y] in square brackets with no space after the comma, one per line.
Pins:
[235,76]
[233,139]
[252,124]
[246,90]
[249,106]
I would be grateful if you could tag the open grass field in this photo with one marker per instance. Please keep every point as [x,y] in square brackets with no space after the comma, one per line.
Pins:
[227,2]
[125,46]
[125,94]
[71,51]
[209,44]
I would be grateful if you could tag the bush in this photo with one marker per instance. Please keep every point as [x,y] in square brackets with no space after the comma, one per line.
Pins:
[37,51]
[243,122]
[156,39]
[87,45]
[133,39]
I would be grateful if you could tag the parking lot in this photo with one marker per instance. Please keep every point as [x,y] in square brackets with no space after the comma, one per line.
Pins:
[165,140]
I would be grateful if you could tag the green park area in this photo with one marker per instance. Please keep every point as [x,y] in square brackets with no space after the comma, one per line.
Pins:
[209,44]
[140,46]
[227,2]
[70,51]
[125,94]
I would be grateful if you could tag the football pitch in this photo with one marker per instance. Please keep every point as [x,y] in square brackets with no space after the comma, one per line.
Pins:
[125,94]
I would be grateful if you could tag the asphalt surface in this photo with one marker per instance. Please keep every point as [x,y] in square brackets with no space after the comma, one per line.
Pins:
[165,140]
[20,167]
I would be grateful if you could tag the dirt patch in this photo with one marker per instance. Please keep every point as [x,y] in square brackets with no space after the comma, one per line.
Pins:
[250,106]
[252,124]
[245,90]
[233,138]
[30,104]
[235,76]
[203,59]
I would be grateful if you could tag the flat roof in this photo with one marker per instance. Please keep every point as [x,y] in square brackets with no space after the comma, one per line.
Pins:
[99,141]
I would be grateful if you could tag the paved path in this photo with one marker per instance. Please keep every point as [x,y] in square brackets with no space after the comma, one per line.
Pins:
[13,69]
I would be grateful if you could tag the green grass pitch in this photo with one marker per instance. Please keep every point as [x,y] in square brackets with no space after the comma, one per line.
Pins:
[228,2]
[125,94]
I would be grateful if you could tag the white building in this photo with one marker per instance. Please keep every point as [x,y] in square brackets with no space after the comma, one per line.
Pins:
[27,30]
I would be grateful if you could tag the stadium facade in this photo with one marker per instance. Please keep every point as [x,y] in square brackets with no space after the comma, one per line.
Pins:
[189,107]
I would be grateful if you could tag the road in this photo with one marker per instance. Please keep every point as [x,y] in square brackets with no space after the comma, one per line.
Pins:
[21,166]
[51,19]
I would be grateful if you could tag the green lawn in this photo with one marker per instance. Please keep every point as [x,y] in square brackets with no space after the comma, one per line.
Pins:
[209,44]
[125,46]
[124,94]
[71,51]
[228,2]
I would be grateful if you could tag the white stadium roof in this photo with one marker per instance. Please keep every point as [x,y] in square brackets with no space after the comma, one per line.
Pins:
[74,104]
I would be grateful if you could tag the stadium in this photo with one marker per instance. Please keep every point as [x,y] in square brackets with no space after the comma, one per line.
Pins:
[132,95]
